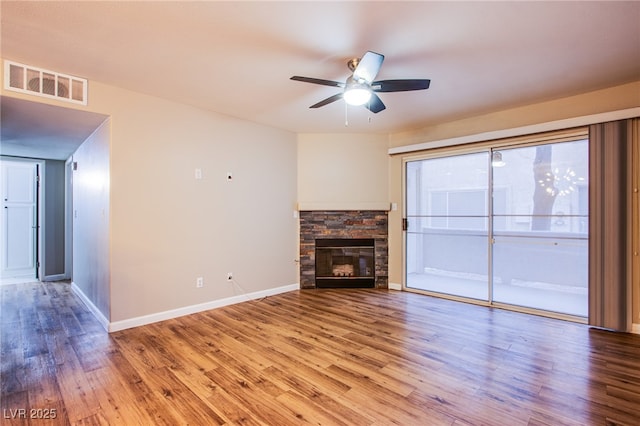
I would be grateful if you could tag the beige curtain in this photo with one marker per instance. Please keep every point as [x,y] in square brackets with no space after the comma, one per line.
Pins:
[634,250]
[610,224]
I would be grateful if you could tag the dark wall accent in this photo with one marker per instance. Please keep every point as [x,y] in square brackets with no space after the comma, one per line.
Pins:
[54,220]
[343,224]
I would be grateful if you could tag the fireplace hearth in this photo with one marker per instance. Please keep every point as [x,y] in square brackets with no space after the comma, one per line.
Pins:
[345,263]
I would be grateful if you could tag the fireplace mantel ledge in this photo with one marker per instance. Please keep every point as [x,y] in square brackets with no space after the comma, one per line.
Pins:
[375,206]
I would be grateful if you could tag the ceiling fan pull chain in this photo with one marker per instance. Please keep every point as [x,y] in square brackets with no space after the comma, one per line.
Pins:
[346,115]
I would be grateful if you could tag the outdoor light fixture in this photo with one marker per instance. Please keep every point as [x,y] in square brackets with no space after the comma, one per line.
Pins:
[356,93]
[496,159]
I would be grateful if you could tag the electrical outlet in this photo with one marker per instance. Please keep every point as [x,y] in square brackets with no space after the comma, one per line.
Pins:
[229,276]
[199,282]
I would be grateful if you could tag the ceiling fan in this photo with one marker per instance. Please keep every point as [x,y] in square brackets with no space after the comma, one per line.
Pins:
[360,88]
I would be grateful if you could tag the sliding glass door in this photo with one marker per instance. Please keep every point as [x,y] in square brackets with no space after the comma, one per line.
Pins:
[447,217]
[504,225]
[540,236]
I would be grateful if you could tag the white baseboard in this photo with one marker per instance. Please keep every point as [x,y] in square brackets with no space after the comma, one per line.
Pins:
[59,277]
[395,286]
[635,328]
[89,304]
[188,310]
[18,280]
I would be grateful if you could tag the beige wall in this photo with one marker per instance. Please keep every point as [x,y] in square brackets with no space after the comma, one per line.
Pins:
[343,172]
[91,249]
[168,228]
[600,101]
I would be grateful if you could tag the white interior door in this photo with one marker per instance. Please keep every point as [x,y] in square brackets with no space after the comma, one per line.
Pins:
[19,221]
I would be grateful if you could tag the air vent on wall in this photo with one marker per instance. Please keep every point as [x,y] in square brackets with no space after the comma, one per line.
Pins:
[39,82]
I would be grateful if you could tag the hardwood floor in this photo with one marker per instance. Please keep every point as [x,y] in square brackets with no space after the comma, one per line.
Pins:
[331,357]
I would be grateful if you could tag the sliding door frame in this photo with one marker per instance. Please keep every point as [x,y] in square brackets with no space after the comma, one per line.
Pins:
[568,135]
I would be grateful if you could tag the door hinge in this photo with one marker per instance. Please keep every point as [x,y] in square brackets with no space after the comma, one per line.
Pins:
[405,224]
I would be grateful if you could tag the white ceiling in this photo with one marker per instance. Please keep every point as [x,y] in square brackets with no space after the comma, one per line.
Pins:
[236,58]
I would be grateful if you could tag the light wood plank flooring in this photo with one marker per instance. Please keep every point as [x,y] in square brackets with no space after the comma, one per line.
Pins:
[330,357]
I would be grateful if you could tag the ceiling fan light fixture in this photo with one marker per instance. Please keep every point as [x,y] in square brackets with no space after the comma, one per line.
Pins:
[357,95]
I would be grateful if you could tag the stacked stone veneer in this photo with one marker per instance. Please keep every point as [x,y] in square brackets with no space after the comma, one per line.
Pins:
[343,224]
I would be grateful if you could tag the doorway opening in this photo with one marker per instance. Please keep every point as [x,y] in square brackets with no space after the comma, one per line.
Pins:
[48,136]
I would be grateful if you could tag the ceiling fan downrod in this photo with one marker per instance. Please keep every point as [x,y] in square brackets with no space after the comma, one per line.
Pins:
[353,63]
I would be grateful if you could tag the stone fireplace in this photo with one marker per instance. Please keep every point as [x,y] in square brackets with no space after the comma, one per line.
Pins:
[344,249]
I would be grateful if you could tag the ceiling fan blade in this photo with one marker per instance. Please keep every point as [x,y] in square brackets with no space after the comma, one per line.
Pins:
[399,85]
[375,104]
[368,66]
[327,101]
[318,81]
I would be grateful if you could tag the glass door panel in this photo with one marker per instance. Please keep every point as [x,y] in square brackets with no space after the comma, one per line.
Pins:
[447,215]
[540,227]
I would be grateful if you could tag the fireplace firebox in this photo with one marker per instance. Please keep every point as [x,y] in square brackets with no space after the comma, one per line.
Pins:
[345,263]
